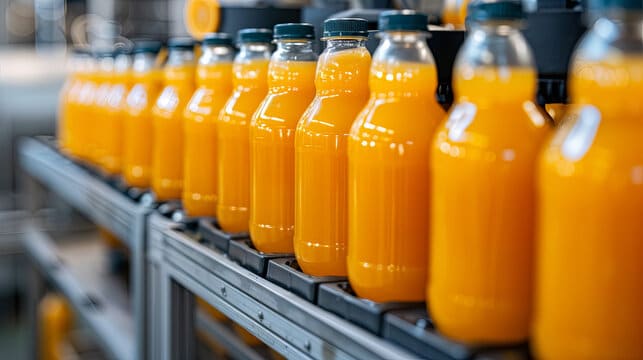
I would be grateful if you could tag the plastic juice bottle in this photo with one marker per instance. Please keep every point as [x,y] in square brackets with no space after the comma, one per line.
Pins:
[70,110]
[250,72]
[214,81]
[112,136]
[482,187]
[167,120]
[321,162]
[93,122]
[388,178]
[454,13]
[291,84]
[81,123]
[68,97]
[556,111]
[100,108]
[56,319]
[137,123]
[590,234]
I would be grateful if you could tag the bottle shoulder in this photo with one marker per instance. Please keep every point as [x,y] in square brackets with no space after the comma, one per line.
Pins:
[282,110]
[240,106]
[388,124]
[331,115]
[205,105]
[588,140]
[492,132]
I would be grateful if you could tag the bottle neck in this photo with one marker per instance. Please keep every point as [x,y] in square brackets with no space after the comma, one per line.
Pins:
[215,68]
[403,66]
[180,57]
[606,69]
[343,68]
[214,54]
[496,56]
[105,68]
[145,69]
[496,44]
[341,43]
[79,66]
[179,69]
[122,69]
[122,63]
[143,62]
[292,67]
[613,32]
[251,67]
[404,46]
[294,50]
[90,68]
[254,51]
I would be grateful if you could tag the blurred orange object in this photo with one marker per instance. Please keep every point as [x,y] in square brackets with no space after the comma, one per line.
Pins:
[55,324]
[247,337]
[201,17]
[210,310]
[111,240]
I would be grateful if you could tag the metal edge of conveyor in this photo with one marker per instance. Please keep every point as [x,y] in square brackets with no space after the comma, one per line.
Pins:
[36,159]
[329,335]
[274,332]
[105,205]
[113,337]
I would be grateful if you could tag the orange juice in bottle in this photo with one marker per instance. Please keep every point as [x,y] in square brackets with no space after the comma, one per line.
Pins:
[556,111]
[250,86]
[291,87]
[214,85]
[80,123]
[167,120]
[71,105]
[55,320]
[112,134]
[589,286]
[68,97]
[321,162]
[137,121]
[96,122]
[482,184]
[388,178]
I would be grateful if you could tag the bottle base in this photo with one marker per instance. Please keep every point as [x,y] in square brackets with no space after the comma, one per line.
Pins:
[478,320]
[137,182]
[272,239]
[316,262]
[166,194]
[199,208]
[378,283]
[110,165]
[322,269]
[233,219]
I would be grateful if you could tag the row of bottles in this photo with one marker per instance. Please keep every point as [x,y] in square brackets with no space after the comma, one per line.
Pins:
[353,166]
